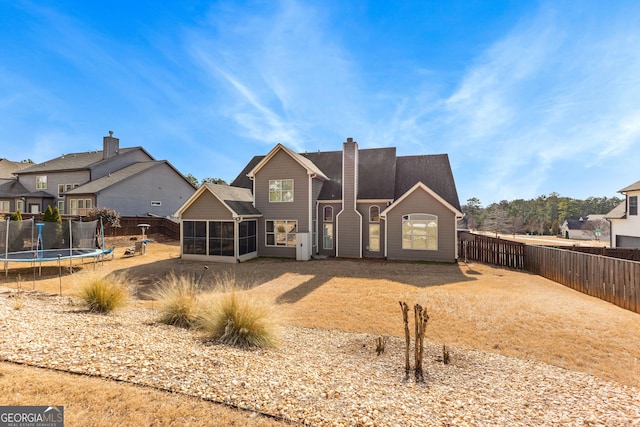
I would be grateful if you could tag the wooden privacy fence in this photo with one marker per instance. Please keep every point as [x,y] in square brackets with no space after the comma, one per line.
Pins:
[614,280]
[622,253]
[610,279]
[491,250]
[129,226]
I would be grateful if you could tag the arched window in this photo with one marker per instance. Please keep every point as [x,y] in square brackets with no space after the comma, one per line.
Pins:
[328,214]
[420,232]
[374,213]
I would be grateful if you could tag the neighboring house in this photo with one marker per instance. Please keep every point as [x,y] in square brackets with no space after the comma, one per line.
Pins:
[128,180]
[593,227]
[352,203]
[624,219]
[9,188]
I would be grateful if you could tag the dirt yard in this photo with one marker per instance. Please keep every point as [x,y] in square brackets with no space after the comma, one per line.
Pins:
[470,306]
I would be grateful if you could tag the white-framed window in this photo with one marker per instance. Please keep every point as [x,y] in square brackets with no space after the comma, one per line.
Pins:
[60,189]
[5,206]
[41,182]
[280,190]
[327,235]
[61,206]
[281,232]
[80,206]
[374,237]
[374,228]
[327,227]
[328,214]
[20,206]
[156,203]
[633,205]
[420,232]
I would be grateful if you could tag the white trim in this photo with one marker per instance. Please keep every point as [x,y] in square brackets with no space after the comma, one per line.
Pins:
[420,185]
[293,155]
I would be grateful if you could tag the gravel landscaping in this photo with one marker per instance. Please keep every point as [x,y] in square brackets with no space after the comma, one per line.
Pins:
[319,377]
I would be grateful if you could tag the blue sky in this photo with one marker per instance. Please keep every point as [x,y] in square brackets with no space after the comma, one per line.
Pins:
[526,97]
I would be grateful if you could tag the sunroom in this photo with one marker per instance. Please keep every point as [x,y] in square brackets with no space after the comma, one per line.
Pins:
[219,223]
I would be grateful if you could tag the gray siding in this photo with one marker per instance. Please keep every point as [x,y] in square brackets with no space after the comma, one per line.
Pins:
[422,202]
[336,209]
[118,162]
[317,187]
[363,208]
[348,221]
[207,207]
[282,166]
[134,196]
[55,178]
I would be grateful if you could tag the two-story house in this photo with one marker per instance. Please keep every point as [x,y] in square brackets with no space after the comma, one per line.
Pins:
[624,219]
[128,180]
[352,203]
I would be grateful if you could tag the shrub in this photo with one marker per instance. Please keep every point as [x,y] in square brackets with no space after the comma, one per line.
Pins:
[105,294]
[233,318]
[17,216]
[178,300]
[110,216]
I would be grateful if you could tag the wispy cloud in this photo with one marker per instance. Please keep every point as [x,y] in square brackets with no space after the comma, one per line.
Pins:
[560,86]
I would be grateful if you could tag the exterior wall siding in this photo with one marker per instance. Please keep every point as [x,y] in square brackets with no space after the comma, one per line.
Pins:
[349,221]
[315,192]
[207,207]
[55,178]
[422,202]
[628,227]
[282,166]
[161,184]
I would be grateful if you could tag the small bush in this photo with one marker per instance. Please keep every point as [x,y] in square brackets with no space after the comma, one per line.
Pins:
[178,300]
[234,318]
[105,294]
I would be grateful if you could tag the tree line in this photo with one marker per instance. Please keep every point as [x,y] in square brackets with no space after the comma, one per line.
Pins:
[542,215]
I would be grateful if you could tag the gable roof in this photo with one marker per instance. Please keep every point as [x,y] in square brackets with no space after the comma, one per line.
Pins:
[10,188]
[633,187]
[433,170]
[75,161]
[619,212]
[304,162]
[376,173]
[381,174]
[574,224]
[239,201]
[93,187]
[422,186]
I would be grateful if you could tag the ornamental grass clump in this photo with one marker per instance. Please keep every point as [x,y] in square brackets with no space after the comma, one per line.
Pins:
[105,294]
[234,318]
[177,297]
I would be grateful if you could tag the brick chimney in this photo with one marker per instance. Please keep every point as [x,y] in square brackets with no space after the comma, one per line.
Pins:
[110,146]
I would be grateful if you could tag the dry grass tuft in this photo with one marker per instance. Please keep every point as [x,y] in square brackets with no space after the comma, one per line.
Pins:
[105,294]
[177,297]
[233,317]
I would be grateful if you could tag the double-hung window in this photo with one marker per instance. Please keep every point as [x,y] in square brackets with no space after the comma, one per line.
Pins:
[420,232]
[5,206]
[80,206]
[41,182]
[633,205]
[280,190]
[374,228]
[281,232]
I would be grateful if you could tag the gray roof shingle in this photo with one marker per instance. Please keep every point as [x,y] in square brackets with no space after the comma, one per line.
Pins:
[72,161]
[381,175]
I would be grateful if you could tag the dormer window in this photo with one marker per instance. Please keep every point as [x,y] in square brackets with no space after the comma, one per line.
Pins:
[280,190]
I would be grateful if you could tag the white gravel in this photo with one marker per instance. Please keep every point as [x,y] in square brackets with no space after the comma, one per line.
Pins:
[319,377]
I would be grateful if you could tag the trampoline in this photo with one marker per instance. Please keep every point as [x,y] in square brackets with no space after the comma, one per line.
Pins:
[40,242]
